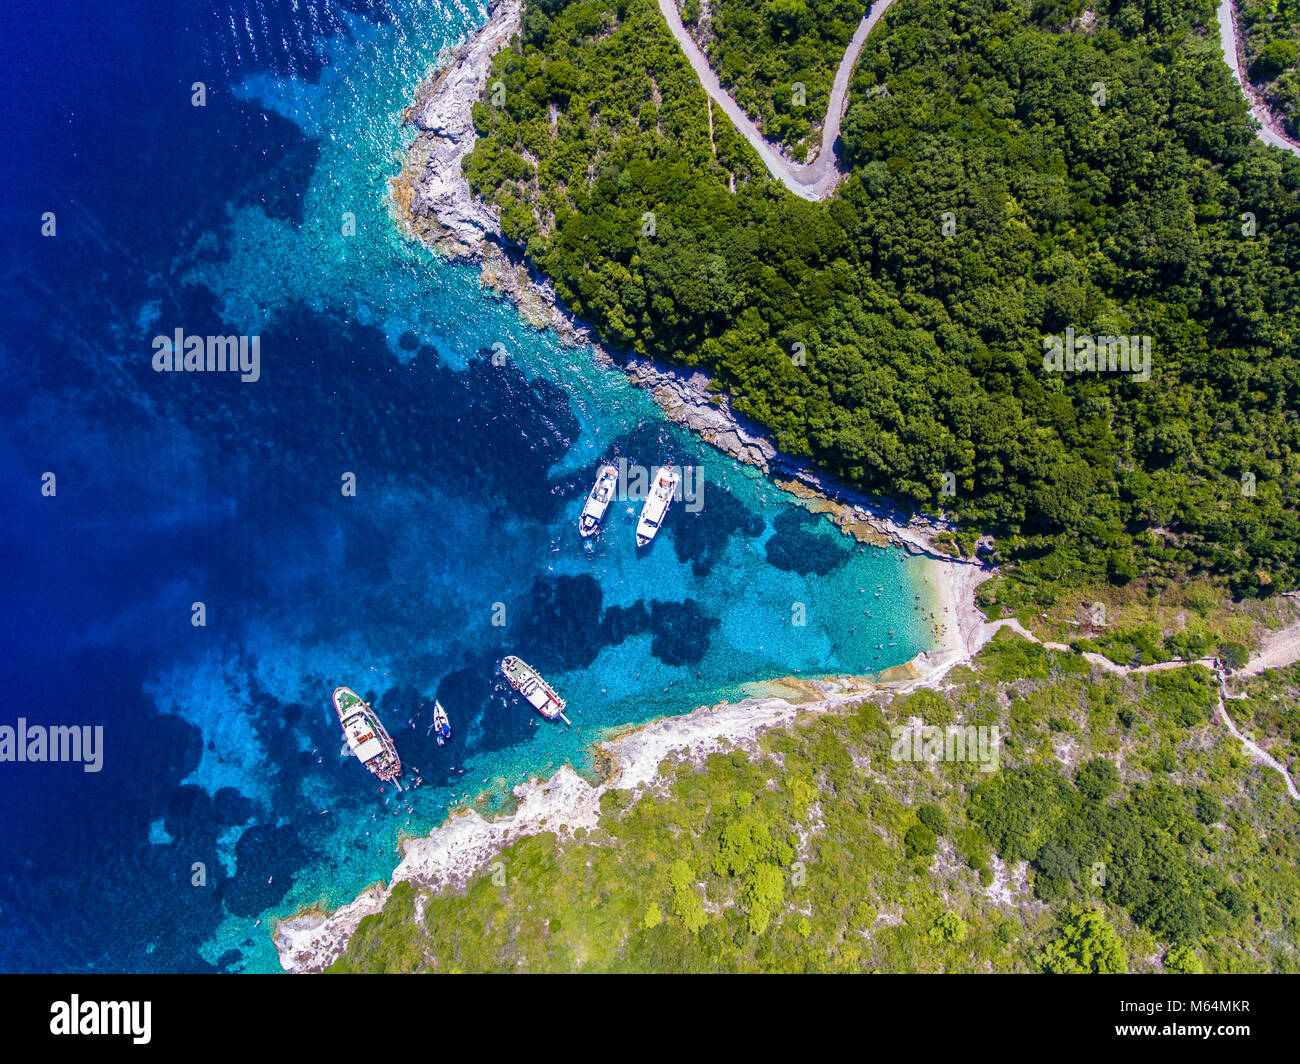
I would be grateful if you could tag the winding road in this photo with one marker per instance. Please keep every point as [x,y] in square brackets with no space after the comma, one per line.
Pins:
[1229,41]
[818,180]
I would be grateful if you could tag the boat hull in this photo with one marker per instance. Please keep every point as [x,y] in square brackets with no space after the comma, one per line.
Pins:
[441,725]
[536,691]
[656,506]
[598,500]
[366,736]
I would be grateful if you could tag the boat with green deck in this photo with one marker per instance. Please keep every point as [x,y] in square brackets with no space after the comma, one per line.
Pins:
[366,736]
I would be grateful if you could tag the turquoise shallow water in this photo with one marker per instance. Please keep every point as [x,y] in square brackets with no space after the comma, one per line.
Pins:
[469,481]
[458,554]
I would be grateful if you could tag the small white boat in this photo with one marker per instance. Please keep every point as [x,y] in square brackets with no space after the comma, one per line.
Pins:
[602,493]
[441,725]
[656,504]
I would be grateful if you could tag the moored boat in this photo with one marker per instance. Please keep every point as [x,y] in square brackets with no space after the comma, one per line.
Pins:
[656,505]
[441,725]
[366,737]
[598,500]
[529,683]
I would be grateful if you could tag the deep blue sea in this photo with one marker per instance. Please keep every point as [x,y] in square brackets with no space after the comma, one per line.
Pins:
[221,749]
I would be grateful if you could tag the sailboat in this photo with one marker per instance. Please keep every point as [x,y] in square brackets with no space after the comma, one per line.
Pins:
[441,725]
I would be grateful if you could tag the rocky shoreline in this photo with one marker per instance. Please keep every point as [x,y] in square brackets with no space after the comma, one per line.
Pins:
[431,202]
[431,199]
[447,858]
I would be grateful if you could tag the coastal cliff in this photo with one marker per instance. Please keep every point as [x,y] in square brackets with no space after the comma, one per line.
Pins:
[432,202]
[446,859]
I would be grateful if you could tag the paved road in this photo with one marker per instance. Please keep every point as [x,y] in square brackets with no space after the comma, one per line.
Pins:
[817,180]
[1228,40]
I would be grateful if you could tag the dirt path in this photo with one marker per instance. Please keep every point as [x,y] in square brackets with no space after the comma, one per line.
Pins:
[816,180]
[1249,745]
[1280,649]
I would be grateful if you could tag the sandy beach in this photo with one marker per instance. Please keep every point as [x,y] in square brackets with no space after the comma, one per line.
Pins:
[433,204]
[953,585]
[463,847]
[449,856]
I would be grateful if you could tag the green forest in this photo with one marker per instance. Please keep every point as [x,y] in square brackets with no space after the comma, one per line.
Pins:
[762,49]
[1123,831]
[1015,182]
[1271,32]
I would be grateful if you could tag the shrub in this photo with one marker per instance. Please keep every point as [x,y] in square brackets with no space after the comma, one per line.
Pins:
[1183,960]
[1085,945]
[933,818]
[919,841]
[1273,59]
[949,928]
[1209,810]
[1097,780]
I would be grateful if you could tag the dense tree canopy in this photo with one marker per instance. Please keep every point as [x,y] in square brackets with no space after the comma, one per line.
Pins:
[1016,181]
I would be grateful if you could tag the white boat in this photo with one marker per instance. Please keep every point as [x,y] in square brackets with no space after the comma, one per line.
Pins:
[656,504]
[529,683]
[365,735]
[441,725]
[602,493]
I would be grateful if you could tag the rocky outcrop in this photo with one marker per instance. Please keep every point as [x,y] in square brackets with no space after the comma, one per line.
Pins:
[433,198]
[689,398]
[311,940]
[447,857]
[434,204]
[450,855]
